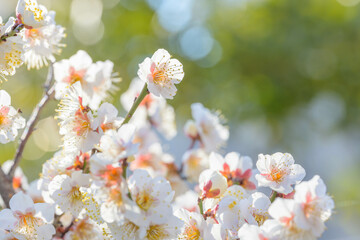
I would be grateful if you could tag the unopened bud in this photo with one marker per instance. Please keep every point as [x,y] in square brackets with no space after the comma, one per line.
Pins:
[212,184]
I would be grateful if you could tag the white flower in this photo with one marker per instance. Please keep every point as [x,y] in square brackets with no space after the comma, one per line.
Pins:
[313,206]
[145,137]
[96,79]
[283,226]
[162,117]
[67,191]
[229,212]
[154,161]
[19,180]
[194,162]
[57,165]
[161,73]
[101,83]
[187,200]
[77,122]
[152,199]
[119,144]
[165,231]
[40,44]
[10,119]
[107,118]
[105,171]
[229,215]
[85,229]
[35,191]
[28,220]
[72,70]
[253,232]
[114,205]
[255,208]
[279,172]
[212,184]
[31,14]
[237,169]
[194,225]
[11,50]
[6,235]
[212,133]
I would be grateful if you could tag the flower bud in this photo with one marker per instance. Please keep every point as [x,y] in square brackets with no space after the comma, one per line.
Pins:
[190,129]
[212,184]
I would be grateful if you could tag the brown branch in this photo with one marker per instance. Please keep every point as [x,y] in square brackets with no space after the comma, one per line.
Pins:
[32,121]
[6,188]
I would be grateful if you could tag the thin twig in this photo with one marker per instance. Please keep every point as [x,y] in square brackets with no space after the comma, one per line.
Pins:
[135,105]
[32,121]
[13,32]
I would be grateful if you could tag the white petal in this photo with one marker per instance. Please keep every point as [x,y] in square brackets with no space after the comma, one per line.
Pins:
[7,219]
[45,211]
[5,99]
[21,202]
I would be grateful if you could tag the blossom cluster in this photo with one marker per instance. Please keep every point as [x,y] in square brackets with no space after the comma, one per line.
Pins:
[112,179]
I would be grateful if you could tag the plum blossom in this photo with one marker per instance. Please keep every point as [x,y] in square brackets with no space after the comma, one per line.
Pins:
[40,44]
[255,208]
[19,180]
[11,50]
[229,211]
[253,232]
[283,224]
[161,73]
[313,206]
[77,122]
[211,132]
[194,225]
[279,172]
[152,197]
[10,119]
[68,193]
[187,201]
[26,220]
[194,162]
[95,79]
[154,161]
[31,14]
[119,144]
[72,70]
[85,229]
[237,169]
[107,117]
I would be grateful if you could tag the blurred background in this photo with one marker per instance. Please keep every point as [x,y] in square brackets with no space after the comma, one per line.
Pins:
[284,73]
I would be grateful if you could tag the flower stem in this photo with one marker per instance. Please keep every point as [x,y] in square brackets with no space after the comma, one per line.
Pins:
[200,203]
[273,196]
[135,105]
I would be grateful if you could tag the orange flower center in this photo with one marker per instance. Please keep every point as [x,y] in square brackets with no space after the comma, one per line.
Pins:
[160,77]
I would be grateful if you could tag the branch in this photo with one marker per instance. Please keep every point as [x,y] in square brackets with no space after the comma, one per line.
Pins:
[32,121]
[6,188]
[135,105]
[14,31]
